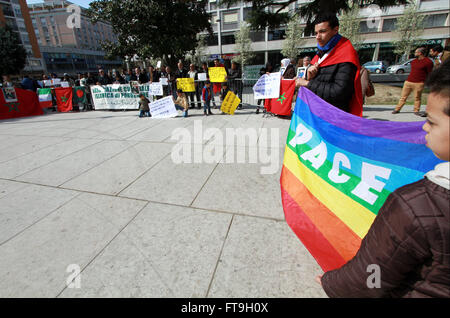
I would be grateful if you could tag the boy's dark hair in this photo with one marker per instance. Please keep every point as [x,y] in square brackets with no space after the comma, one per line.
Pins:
[327,17]
[438,48]
[179,91]
[207,82]
[225,84]
[439,83]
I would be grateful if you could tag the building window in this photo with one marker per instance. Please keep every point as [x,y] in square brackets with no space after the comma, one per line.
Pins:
[228,39]
[258,36]
[231,17]
[212,40]
[364,28]
[275,35]
[7,10]
[389,25]
[435,20]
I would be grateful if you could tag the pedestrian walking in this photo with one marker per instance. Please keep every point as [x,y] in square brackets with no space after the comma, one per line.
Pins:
[421,67]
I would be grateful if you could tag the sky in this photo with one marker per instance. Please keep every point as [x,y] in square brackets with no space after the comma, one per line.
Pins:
[83,3]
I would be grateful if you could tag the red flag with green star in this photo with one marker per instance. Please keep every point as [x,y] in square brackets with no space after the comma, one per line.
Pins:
[26,104]
[283,104]
[64,98]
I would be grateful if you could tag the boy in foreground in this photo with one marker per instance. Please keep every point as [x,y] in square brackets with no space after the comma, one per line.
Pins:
[409,240]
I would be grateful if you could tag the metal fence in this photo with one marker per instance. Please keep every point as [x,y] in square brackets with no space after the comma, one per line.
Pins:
[243,88]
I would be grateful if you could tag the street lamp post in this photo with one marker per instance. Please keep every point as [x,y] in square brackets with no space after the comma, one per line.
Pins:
[219,28]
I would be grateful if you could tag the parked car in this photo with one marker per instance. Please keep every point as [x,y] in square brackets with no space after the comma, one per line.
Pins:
[376,66]
[401,68]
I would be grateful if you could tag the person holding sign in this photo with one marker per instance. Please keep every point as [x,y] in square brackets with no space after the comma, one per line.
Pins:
[217,74]
[181,102]
[194,75]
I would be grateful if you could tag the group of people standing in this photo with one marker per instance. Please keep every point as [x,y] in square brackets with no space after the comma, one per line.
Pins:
[207,93]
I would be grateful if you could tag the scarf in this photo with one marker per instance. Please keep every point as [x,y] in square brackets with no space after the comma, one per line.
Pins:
[327,47]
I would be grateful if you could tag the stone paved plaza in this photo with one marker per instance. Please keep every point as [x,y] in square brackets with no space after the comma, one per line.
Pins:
[101,190]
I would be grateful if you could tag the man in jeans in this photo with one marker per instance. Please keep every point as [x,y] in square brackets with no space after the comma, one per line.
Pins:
[420,68]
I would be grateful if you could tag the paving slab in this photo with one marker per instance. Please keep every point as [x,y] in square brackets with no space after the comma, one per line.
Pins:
[22,164]
[171,182]
[21,147]
[242,188]
[71,166]
[35,263]
[166,251]
[7,187]
[27,205]
[263,258]
[110,177]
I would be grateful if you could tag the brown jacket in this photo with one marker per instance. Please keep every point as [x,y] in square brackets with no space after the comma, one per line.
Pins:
[409,241]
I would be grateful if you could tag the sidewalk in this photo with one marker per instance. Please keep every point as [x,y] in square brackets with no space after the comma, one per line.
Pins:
[100,190]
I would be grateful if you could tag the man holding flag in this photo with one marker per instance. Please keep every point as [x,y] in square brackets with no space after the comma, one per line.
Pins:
[334,74]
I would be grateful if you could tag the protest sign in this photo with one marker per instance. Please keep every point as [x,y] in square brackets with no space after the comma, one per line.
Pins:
[65,84]
[230,103]
[9,94]
[202,77]
[217,74]
[48,83]
[114,97]
[268,86]
[56,82]
[301,71]
[186,84]
[156,89]
[163,108]
[164,81]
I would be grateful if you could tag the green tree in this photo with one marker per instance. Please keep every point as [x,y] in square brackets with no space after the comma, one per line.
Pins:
[409,27]
[243,45]
[197,56]
[294,39]
[12,54]
[151,28]
[349,25]
[269,13]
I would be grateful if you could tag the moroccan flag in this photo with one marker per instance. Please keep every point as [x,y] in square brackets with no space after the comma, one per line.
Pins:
[344,52]
[21,103]
[338,171]
[283,104]
[79,95]
[45,97]
[64,99]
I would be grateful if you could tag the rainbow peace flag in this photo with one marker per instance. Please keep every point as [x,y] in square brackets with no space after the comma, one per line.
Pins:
[338,171]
